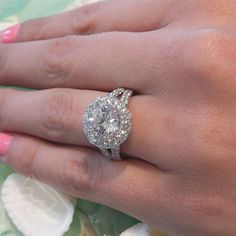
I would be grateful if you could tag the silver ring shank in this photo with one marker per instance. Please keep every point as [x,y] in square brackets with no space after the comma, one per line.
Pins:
[114,153]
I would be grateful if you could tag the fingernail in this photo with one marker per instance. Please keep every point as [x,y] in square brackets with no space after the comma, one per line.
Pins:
[9,34]
[5,142]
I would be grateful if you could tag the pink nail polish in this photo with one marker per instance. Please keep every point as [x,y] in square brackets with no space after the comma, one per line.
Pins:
[9,34]
[5,142]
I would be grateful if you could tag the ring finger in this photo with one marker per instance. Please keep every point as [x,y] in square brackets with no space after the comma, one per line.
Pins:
[57,114]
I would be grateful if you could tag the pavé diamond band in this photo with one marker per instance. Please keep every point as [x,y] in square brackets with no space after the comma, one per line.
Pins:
[107,122]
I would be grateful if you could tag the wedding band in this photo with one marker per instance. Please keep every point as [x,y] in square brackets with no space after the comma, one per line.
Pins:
[107,122]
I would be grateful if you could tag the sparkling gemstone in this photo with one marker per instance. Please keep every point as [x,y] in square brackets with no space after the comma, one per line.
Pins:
[107,122]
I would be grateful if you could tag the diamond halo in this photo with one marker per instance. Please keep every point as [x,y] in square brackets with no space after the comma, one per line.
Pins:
[107,120]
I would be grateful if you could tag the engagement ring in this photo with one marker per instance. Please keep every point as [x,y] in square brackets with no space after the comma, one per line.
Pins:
[107,122]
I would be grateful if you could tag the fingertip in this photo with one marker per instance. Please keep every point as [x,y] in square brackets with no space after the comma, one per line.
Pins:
[9,35]
[5,142]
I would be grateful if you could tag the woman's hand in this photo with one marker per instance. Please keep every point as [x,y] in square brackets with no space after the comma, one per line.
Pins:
[180,57]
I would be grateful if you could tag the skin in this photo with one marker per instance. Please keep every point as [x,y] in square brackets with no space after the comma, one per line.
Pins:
[179,57]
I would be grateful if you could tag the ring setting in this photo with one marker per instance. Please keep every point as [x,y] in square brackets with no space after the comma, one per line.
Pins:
[107,122]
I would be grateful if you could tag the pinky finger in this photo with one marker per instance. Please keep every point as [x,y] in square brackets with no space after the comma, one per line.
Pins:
[85,173]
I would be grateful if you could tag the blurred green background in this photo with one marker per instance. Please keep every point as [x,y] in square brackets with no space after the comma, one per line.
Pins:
[12,11]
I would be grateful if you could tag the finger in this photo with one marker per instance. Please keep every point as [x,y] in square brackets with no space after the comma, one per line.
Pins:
[100,62]
[57,115]
[102,16]
[84,173]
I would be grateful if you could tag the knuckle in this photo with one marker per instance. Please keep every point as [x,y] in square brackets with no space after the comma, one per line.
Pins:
[25,155]
[4,95]
[4,78]
[86,18]
[83,175]
[206,206]
[199,210]
[57,114]
[55,64]
[209,50]
[32,30]
[207,211]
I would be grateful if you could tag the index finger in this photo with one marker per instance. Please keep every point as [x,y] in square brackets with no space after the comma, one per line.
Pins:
[99,17]
[94,18]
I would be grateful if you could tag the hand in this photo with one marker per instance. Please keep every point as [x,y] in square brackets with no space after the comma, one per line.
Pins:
[180,58]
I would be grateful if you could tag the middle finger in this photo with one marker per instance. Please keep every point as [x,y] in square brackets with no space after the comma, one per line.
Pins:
[98,62]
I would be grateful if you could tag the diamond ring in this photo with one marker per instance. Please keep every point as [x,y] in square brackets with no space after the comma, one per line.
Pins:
[107,122]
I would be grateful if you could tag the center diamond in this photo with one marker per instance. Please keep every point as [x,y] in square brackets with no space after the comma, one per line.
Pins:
[107,122]
[111,122]
[104,120]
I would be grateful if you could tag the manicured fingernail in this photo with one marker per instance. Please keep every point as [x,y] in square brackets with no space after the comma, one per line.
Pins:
[5,142]
[9,34]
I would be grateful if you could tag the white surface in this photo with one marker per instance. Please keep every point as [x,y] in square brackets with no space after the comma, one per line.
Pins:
[35,208]
[137,230]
